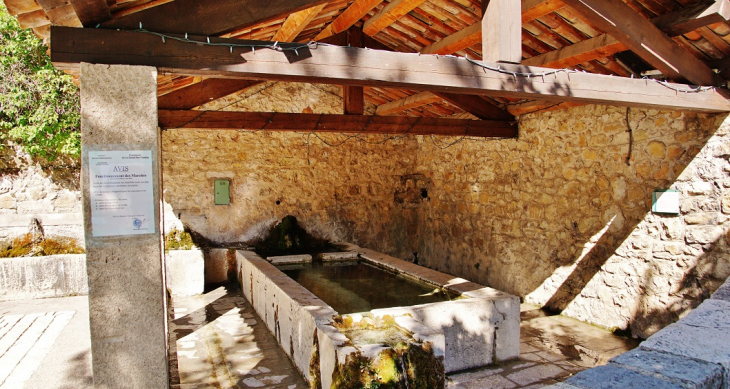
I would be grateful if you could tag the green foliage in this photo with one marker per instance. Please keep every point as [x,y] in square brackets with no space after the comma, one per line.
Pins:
[39,105]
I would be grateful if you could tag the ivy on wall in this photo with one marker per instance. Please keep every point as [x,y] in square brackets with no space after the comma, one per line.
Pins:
[39,104]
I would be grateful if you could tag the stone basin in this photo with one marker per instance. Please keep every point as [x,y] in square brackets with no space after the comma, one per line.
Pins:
[480,328]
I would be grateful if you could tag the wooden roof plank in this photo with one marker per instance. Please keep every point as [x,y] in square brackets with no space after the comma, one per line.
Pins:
[646,40]
[389,14]
[348,18]
[358,124]
[365,67]
[209,17]
[296,23]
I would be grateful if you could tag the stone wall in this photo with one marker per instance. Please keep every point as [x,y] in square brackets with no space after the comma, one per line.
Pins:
[35,188]
[557,216]
[338,193]
[560,218]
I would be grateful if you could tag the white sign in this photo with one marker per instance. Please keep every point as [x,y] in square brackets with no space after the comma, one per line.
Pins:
[122,198]
[665,201]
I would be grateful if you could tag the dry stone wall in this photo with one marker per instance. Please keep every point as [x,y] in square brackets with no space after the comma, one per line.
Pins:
[38,189]
[560,218]
[556,216]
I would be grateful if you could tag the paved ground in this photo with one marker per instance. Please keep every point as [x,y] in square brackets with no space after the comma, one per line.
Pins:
[45,343]
[218,341]
[222,343]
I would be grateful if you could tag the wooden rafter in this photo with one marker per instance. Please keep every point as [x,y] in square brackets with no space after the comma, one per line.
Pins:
[296,23]
[692,18]
[477,106]
[353,66]
[202,92]
[389,14]
[209,17]
[406,103]
[643,38]
[91,12]
[471,35]
[348,18]
[604,45]
[533,9]
[358,124]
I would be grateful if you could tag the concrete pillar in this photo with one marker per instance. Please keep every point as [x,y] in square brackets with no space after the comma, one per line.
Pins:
[126,289]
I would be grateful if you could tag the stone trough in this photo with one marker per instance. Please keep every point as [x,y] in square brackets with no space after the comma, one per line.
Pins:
[479,328]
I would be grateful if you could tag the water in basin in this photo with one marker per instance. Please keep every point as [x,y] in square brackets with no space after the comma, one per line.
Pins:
[351,287]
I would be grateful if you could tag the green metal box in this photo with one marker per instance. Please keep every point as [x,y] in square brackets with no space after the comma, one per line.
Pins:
[222,192]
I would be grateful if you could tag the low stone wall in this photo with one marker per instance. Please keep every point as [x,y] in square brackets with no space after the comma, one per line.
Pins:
[692,353]
[43,277]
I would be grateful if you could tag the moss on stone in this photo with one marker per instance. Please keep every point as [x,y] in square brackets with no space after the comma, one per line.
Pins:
[423,368]
[28,246]
[178,240]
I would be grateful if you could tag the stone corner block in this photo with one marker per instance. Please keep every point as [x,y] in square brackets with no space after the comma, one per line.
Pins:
[723,292]
[185,272]
[686,372]
[702,343]
[611,376]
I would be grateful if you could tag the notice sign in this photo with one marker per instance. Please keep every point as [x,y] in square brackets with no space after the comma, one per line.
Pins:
[122,200]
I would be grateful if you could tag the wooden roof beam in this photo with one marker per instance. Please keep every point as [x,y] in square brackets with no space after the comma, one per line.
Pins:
[406,103]
[208,17]
[364,67]
[646,40]
[348,18]
[389,14]
[357,124]
[604,45]
[296,23]
[501,31]
[202,92]
[91,12]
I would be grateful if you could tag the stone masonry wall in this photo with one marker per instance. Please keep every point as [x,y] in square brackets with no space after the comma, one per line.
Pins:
[338,187]
[559,218]
[48,191]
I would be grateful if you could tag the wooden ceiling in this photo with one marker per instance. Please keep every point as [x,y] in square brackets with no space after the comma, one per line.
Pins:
[554,34]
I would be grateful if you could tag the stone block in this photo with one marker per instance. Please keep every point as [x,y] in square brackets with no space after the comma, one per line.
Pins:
[185,272]
[710,314]
[288,259]
[7,201]
[345,256]
[612,376]
[686,372]
[216,266]
[723,292]
[701,343]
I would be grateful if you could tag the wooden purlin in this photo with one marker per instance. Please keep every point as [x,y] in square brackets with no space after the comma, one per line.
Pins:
[357,124]
[364,67]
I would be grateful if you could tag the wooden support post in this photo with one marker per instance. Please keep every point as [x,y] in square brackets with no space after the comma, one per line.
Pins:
[353,96]
[502,31]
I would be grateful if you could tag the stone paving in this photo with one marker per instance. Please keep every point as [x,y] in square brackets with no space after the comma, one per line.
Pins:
[552,349]
[221,342]
[25,340]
